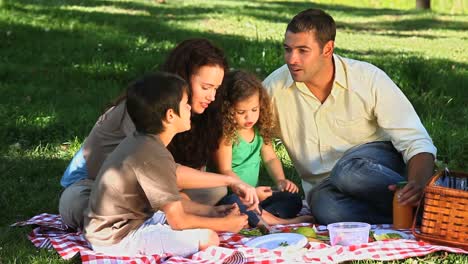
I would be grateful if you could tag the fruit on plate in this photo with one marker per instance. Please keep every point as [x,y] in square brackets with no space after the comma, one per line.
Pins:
[387,236]
[306,231]
[311,239]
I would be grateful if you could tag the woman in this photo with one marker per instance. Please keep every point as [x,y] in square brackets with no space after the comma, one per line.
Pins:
[202,65]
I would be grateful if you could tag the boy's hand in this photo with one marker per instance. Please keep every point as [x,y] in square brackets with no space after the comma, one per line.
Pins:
[235,222]
[263,192]
[246,193]
[224,210]
[287,185]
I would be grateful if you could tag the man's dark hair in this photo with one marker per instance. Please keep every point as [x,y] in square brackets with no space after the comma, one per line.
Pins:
[149,98]
[314,20]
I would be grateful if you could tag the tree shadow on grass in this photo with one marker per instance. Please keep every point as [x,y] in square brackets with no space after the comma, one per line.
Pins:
[30,186]
[283,11]
[294,7]
[402,25]
[77,72]
[56,82]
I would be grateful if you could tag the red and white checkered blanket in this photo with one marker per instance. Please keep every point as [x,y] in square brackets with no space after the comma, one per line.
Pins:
[52,233]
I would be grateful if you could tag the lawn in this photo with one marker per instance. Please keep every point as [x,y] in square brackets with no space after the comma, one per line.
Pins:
[63,61]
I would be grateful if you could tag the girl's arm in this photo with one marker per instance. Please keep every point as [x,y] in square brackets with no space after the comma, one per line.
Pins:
[223,162]
[275,169]
[223,159]
[189,178]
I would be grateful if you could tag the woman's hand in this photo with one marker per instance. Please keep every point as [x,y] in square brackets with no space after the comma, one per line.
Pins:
[287,185]
[263,192]
[246,193]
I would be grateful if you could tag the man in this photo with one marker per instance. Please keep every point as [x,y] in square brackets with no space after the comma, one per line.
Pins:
[351,133]
[136,188]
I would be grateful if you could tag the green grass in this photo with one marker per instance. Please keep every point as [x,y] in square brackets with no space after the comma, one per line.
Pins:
[62,62]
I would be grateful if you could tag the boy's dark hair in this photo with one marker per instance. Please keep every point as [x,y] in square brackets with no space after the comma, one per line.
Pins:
[149,98]
[314,20]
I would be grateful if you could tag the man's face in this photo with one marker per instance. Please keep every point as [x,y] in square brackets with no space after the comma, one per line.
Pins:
[303,55]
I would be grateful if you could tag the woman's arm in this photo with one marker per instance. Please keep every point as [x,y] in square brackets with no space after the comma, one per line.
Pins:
[275,169]
[188,178]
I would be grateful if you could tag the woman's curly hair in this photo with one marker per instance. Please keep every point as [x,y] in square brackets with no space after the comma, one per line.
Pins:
[238,86]
[195,147]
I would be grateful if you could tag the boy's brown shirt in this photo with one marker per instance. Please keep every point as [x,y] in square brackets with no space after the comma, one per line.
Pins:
[135,181]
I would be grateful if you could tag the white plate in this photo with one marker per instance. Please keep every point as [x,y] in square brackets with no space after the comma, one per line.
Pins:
[273,241]
[379,232]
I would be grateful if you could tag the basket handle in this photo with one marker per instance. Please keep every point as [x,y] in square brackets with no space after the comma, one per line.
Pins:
[413,228]
[421,203]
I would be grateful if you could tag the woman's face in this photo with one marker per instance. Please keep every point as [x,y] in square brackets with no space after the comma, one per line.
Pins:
[204,84]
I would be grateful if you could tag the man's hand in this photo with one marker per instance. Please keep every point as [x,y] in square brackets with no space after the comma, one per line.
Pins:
[411,194]
[263,192]
[420,169]
[287,185]
[246,193]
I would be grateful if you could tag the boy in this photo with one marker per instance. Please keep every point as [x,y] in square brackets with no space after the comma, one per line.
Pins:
[138,179]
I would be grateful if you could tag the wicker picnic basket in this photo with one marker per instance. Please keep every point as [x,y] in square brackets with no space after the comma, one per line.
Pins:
[445,214]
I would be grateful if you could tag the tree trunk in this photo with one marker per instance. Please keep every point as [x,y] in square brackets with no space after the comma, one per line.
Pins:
[423,4]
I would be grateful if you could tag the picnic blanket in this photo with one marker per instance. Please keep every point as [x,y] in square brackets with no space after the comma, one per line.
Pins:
[51,233]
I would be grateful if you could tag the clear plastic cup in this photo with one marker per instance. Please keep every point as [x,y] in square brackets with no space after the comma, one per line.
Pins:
[348,233]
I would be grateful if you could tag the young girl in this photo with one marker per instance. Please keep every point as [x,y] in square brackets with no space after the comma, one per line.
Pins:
[247,140]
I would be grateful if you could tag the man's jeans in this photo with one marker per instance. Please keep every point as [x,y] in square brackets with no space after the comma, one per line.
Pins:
[357,189]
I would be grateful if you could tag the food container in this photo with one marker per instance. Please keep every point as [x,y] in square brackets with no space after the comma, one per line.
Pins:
[348,233]
[402,214]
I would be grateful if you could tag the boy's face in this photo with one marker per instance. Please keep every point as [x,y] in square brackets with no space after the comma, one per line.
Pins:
[247,112]
[184,115]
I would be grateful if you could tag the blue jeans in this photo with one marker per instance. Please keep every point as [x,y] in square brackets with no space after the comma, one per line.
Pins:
[357,189]
[76,170]
[280,204]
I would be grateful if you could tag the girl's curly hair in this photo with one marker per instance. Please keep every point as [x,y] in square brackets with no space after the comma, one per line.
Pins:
[240,85]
